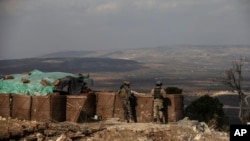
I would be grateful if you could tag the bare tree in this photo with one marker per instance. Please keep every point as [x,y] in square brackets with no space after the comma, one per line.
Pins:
[233,78]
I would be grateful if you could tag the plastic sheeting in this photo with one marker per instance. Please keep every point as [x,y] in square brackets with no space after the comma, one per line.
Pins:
[30,83]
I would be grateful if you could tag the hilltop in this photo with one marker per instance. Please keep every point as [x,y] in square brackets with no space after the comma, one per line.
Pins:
[109,129]
[192,68]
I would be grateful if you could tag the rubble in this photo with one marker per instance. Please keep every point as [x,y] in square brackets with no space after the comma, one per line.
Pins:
[108,129]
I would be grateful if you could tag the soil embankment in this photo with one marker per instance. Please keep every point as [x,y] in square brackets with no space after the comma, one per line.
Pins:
[109,129]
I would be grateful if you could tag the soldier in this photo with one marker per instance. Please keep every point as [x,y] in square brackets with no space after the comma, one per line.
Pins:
[158,95]
[127,101]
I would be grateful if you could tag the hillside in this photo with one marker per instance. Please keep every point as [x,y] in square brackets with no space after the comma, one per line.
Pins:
[191,68]
[73,65]
[188,67]
[202,53]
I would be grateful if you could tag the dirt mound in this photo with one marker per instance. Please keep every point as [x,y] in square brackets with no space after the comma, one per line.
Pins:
[109,129]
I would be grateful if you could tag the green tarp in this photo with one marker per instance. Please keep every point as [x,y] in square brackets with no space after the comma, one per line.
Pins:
[34,86]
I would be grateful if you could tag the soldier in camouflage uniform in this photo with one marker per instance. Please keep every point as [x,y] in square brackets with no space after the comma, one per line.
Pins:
[158,95]
[126,97]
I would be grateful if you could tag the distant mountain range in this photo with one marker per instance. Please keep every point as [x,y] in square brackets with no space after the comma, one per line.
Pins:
[188,58]
[73,65]
[159,54]
[184,66]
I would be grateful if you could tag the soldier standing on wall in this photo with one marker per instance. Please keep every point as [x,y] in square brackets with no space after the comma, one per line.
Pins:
[127,98]
[158,95]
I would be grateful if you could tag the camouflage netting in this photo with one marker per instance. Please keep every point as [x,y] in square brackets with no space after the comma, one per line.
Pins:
[35,82]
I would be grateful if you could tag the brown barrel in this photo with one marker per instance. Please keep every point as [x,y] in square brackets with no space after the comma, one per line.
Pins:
[21,107]
[5,105]
[175,107]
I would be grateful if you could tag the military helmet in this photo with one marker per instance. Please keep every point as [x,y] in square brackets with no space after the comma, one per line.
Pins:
[158,83]
[126,83]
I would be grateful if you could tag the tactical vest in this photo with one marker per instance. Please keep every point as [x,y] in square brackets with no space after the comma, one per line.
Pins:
[157,93]
[127,93]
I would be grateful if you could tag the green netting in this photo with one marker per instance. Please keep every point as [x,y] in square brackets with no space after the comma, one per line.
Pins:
[34,87]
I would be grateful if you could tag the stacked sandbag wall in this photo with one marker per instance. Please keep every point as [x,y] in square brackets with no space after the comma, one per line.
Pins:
[5,105]
[118,107]
[74,107]
[51,108]
[174,108]
[71,108]
[21,106]
[105,103]
[144,107]
[56,107]
[109,105]
[90,104]
[80,108]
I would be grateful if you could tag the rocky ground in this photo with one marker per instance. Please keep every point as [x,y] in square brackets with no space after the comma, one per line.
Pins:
[107,130]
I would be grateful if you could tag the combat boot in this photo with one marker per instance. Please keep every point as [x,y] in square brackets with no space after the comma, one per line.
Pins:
[132,120]
[161,121]
[155,120]
[127,120]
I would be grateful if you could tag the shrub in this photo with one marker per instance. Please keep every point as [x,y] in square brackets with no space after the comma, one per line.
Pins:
[209,110]
[173,90]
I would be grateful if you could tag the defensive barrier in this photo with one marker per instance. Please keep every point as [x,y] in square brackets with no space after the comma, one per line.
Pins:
[80,108]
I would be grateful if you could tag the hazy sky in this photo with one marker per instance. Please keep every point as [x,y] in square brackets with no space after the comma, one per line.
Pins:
[29,28]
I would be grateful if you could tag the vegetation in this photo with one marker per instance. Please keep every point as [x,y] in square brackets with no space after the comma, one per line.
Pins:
[209,110]
[173,90]
[233,79]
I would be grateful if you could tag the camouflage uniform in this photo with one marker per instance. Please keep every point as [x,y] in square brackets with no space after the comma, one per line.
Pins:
[158,94]
[125,93]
